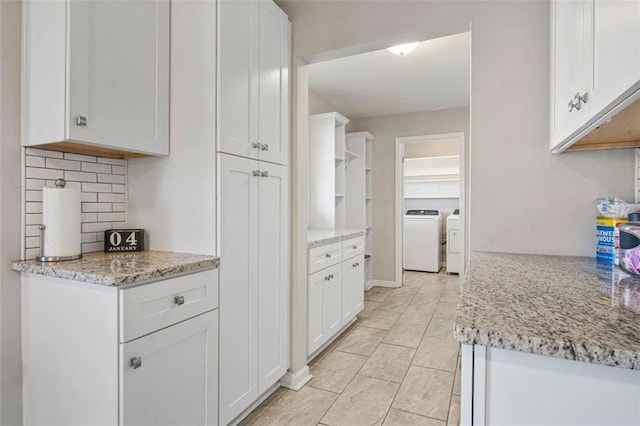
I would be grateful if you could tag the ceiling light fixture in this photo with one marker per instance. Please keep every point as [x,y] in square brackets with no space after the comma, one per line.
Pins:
[403,49]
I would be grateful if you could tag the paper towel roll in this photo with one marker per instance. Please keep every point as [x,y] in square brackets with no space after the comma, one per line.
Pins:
[61,217]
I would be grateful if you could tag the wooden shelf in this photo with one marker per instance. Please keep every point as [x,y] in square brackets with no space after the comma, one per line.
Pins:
[78,148]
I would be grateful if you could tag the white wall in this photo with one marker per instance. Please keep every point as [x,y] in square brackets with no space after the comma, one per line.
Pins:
[385,130]
[174,198]
[10,177]
[517,188]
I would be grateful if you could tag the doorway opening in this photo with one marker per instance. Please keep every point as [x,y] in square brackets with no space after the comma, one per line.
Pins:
[430,187]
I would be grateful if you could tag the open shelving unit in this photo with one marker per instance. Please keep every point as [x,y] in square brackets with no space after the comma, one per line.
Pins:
[432,177]
[327,167]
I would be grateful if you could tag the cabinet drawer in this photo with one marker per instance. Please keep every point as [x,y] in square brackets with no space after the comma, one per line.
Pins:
[352,247]
[324,256]
[153,306]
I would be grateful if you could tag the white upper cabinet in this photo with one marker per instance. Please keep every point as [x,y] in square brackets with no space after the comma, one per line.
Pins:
[96,73]
[254,55]
[595,65]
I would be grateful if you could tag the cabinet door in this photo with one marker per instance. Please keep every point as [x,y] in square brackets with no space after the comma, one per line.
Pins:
[570,31]
[273,275]
[170,377]
[238,246]
[616,51]
[274,64]
[332,296]
[119,74]
[315,316]
[238,77]
[347,291]
[357,284]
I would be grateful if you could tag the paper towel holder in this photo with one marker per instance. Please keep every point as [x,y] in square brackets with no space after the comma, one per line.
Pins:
[60,183]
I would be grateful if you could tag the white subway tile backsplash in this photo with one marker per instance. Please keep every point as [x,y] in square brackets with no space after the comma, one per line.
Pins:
[79,157]
[33,161]
[103,203]
[31,253]
[96,187]
[112,198]
[89,197]
[118,170]
[44,153]
[33,207]
[56,163]
[96,168]
[33,219]
[96,227]
[115,161]
[96,207]
[89,237]
[31,231]
[33,195]
[36,184]
[91,247]
[111,178]
[112,217]
[32,242]
[80,176]
[88,217]
[38,173]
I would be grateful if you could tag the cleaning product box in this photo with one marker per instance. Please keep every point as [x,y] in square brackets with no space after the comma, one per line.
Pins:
[608,238]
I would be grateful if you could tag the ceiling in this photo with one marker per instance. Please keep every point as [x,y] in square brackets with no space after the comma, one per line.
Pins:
[434,76]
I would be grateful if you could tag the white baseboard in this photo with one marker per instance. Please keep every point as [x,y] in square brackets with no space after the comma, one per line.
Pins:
[369,285]
[295,381]
[382,283]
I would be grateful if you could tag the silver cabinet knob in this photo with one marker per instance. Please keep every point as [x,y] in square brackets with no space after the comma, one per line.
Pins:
[81,121]
[136,362]
[328,255]
[327,278]
[256,173]
[264,147]
[331,276]
[179,300]
[256,145]
[355,247]
[265,174]
[578,100]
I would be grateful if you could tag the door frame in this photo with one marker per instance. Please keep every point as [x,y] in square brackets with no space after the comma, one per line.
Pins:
[399,202]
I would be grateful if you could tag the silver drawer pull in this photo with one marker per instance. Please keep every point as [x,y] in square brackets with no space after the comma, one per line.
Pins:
[265,147]
[355,247]
[256,145]
[256,173]
[328,255]
[327,278]
[81,121]
[136,362]
[331,276]
[265,174]
[179,300]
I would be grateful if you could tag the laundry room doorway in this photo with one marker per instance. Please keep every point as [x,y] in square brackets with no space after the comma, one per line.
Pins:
[431,204]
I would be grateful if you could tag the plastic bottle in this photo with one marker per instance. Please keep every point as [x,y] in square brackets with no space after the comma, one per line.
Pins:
[630,245]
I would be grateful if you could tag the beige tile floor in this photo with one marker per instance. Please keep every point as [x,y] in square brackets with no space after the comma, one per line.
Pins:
[397,365]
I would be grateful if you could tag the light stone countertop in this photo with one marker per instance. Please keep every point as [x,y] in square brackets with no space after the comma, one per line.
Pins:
[565,307]
[117,269]
[319,237]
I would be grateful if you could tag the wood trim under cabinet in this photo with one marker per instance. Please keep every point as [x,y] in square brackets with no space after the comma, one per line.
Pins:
[77,148]
[622,132]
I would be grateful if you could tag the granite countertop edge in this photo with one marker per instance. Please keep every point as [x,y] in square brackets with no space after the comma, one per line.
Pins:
[117,279]
[335,238]
[565,349]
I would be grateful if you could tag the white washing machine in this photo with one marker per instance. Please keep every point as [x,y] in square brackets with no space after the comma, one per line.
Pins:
[422,240]
[454,243]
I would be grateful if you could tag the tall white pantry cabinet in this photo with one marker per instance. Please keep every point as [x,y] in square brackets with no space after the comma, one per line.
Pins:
[254,55]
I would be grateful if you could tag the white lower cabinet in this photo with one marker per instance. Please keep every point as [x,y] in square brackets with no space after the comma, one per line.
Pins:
[80,368]
[335,293]
[169,377]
